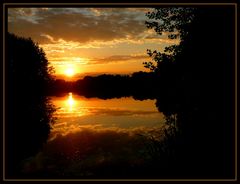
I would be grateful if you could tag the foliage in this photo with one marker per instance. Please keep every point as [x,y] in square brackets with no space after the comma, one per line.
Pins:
[173,21]
[27,61]
[159,58]
[29,113]
[197,85]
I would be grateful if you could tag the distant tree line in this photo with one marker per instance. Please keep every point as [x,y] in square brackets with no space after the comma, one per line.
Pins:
[140,85]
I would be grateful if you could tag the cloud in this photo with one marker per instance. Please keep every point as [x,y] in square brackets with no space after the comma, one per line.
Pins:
[62,44]
[61,61]
[28,14]
[88,36]
[117,58]
[81,25]
[74,61]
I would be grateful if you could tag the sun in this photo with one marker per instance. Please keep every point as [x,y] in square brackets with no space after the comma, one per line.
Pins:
[69,72]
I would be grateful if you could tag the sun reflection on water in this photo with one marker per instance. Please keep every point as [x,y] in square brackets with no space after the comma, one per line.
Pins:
[76,113]
[71,102]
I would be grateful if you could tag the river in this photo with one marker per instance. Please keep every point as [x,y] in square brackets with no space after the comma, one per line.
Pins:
[94,138]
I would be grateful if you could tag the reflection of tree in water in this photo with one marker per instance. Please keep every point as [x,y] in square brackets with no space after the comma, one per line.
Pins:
[29,111]
[196,94]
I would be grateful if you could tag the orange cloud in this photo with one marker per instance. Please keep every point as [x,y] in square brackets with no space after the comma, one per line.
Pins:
[77,24]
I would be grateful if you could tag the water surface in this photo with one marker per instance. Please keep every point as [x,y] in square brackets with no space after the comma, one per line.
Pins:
[96,138]
[77,113]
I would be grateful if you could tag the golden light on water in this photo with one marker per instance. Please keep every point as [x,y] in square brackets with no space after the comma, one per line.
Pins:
[75,113]
[70,102]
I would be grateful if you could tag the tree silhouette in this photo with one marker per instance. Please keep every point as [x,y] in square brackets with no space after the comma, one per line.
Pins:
[28,110]
[175,22]
[197,79]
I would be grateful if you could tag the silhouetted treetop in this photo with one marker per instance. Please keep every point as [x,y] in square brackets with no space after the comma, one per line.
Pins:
[171,20]
[28,61]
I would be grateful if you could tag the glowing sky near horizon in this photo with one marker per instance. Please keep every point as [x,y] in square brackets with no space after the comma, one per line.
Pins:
[81,41]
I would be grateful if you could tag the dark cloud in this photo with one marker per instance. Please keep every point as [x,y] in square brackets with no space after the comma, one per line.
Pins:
[117,58]
[77,24]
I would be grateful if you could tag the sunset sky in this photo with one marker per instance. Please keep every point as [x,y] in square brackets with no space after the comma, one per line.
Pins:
[89,41]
